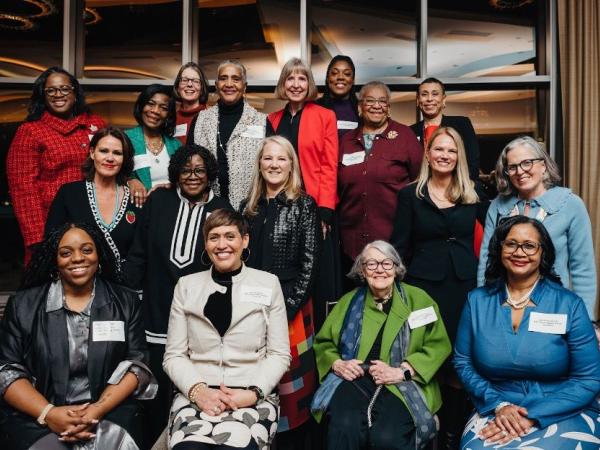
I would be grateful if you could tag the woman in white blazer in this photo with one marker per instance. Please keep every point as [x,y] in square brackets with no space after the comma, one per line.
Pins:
[227,346]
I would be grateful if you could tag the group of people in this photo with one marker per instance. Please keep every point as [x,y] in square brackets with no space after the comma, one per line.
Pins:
[188,262]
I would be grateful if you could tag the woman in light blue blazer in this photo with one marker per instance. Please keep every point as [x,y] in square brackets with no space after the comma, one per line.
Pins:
[526,351]
[527,180]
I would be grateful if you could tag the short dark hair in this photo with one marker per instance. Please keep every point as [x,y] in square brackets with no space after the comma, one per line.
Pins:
[225,218]
[203,83]
[42,268]
[88,168]
[432,80]
[495,270]
[184,154]
[144,98]
[37,101]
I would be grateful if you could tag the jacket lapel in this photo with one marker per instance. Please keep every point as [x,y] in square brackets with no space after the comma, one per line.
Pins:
[139,148]
[98,351]
[59,352]
[399,313]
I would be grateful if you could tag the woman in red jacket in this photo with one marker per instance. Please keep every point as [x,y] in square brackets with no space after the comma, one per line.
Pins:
[48,149]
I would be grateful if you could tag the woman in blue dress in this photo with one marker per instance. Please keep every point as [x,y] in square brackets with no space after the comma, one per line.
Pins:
[526,350]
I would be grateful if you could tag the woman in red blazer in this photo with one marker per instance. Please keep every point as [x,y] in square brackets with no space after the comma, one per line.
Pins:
[312,130]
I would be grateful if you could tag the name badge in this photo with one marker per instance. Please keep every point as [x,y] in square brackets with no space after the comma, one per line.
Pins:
[180,130]
[350,159]
[548,323]
[254,131]
[256,294]
[140,162]
[346,125]
[422,317]
[108,330]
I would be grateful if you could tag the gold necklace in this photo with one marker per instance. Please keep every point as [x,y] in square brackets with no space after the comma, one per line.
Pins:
[436,197]
[155,146]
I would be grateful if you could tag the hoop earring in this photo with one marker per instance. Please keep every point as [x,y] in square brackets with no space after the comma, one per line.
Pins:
[202,255]
[247,254]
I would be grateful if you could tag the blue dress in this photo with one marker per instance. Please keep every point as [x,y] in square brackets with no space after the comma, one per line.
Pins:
[556,377]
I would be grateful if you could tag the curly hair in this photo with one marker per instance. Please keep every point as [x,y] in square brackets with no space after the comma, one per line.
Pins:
[37,101]
[495,270]
[184,154]
[146,95]
[88,168]
[42,268]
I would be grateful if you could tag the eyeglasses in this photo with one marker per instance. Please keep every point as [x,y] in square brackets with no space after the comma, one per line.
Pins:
[370,101]
[198,171]
[194,81]
[525,166]
[528,247]
[54,91]
[373,264]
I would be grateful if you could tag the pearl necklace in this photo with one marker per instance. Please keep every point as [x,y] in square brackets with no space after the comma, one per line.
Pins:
[521,302]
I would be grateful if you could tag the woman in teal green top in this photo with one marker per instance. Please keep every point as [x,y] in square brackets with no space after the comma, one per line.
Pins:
[152,140]
[377,355]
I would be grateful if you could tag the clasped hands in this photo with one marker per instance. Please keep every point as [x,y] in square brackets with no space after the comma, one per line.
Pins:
[215,401]
[381,372]
[74,423]
[510,422]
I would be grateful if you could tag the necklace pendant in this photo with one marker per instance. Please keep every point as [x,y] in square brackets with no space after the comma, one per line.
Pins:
[157,161]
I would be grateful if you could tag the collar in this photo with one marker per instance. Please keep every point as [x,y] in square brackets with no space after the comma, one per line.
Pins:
[553,200]
[66,126]
[211,195]
[55,299]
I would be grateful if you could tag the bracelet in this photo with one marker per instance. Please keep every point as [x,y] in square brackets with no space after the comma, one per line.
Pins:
[195,389]
[260,396]
[501,405]
[42,417]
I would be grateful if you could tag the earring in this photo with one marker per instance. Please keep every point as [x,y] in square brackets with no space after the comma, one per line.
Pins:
[202,260]
[55,275]
[247,254]
[99,271]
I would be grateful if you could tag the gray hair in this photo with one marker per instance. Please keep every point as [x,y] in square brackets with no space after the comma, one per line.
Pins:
[550,178]
[388,250]
[372,84]
[235,63]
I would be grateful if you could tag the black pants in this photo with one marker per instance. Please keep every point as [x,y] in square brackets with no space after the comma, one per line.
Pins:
[202,446]
[392,425]
[156,411]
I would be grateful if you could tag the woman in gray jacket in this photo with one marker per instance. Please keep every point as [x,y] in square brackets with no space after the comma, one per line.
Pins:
[227,346]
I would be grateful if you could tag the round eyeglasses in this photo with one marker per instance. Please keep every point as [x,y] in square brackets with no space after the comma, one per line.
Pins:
[373,264]
[529,248]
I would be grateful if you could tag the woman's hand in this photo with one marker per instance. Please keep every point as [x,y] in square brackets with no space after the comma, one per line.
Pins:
[214,401]
[510,422]
[348,370]
[138,192]
[63,418]
[242,398]
[382,373]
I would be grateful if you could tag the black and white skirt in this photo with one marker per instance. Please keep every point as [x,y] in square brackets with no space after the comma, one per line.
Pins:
[187,423]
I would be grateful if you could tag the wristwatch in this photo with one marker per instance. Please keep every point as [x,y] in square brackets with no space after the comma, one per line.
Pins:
[260,396]
[42,418]
[407,375]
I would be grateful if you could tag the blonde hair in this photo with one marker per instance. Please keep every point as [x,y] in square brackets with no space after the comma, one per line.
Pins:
[293,185]
[296,65]
[461,188]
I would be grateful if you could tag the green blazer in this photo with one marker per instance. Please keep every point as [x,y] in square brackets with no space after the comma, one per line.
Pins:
[428,347]
[136,135]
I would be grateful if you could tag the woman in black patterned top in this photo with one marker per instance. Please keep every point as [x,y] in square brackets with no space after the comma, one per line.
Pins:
[103,198]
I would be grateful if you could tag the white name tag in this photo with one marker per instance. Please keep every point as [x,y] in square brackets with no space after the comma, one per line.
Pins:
[140,162]
[256,294]
[346,125]
[254,131]
[548,323]
[350,159]
[108,330]
[422,317]
[180,130]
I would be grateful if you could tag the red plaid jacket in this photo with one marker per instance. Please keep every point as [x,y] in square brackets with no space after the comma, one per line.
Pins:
[44,155]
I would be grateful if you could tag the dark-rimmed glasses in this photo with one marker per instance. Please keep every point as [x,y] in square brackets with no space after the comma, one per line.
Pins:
[54,91]
[528,247]
[373,264]
[526,165]
[194,81]
[198,171]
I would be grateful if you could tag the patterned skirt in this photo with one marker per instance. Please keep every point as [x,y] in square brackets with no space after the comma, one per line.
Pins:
[187,423]
[580,432]
[299,383]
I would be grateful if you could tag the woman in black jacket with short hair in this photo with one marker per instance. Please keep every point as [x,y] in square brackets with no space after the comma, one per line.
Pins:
[284,240]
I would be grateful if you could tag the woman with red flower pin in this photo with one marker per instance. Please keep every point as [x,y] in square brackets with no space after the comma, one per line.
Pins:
[103,198]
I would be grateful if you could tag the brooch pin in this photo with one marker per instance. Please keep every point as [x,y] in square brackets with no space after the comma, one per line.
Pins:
[93,128]
[392,134]
[130,217]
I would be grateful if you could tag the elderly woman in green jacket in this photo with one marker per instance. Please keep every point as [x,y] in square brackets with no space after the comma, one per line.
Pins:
[377,356]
